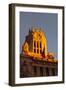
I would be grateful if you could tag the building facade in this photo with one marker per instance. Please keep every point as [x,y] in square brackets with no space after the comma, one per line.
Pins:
[35,60]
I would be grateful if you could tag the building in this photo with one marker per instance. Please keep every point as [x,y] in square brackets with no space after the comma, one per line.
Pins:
[35,60]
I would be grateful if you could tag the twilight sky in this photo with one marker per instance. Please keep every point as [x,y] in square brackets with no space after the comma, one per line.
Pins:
[47,21]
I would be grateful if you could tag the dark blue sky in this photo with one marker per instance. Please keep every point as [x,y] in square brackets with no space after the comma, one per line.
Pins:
[47,21]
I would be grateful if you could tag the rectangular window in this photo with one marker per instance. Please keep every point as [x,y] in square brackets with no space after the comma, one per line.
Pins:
[47,71]
[37,50]
[40,51]
[35,70]
[41,71]
[34,50]
[53,71]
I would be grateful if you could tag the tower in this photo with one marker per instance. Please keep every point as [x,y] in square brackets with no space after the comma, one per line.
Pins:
[37,43]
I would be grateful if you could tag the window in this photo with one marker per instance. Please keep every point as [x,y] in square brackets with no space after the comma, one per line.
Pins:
[53,71]
[34,44]
[34,50]
[41,71]
[37,47]
[47,72]
[40,51]
[56,71]
[35,70]
[37,50]
[40,44]
[37,44]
